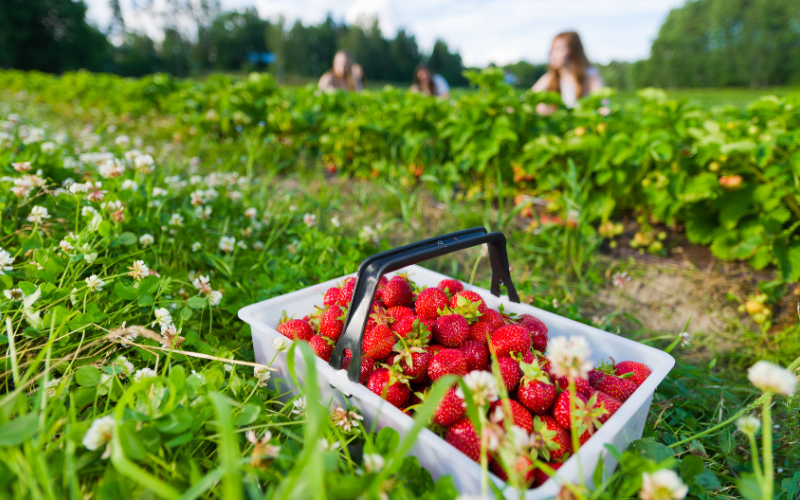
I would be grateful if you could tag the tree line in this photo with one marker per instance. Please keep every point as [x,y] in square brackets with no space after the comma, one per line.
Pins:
[705,43]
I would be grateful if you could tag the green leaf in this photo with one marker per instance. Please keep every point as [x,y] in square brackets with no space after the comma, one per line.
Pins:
[18,430]
[691,466]
[80,321]
[248,414]
[649,448]
[708,481]
[175,422]
[145,300]
[127,238]
[149,285]
[788,259]
[179,440]
[129,439]
[387,440]
[196,302]
[87,376]
[749,487]
[186,313]
[104,228]
[125,292]
[27,287]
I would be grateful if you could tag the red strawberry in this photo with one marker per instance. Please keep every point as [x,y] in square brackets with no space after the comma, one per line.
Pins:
[549,441]
[523,466]
[322,346]
[378,342]
[616,387]
[447,362]
[536,391]
[387,385]
[594,377]
[450,408]
[481,331]
[538,331]
[610,405]
[348,357]
[509,370]
[332,296]
[472,296]
[540,476]
[296,329]
[463,437]
[347,291]
[414,365]
[397,293]
[520,415]
[428,303]
[640,371]
[399,312]
[581,385]
[510,339]
[351,281]
[494,317]
[450,286]
[331,323]
[561,408]
[435,348]
[367,365]
[404,325]
[451,330]
[477,355]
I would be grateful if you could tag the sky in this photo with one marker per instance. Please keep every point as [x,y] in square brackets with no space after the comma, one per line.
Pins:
[499,31]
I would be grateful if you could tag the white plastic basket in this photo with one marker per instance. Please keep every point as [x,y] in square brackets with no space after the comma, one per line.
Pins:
[433,453]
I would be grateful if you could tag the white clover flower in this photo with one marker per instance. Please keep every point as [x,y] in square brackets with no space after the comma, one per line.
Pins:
[52,387]
[261,445]
[619,279]
[345,419]
[48,147]
[215,297]
[122,140]
[196,246]
[293,208]
[127,366]
[280,344]
[6,260]
[241,244]
[258,245]
[146,240]
[770,377]
[22,166]
[569,357]
[100,434]
[685,338]
[139,270]
[748,424]
[203,284]
[14,294]
[38,214]
[111,168]
[662,485]
[227,243]
[163,317]
[250,213]
[202,213]
[65,246]
[373,462]
[369,235]
[262,374]
[335,222]
[194,162]
[144,163]
[310,220]
[129,185]
[144,373]
[157,191]
[85,211]
[170,332]
[176,220]
[324,445]
[131,155]
[94,283]
[482,385]
[299,405]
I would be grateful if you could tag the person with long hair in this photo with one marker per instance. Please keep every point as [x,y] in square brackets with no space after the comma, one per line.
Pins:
[427,82]
[570,73]
[341,76]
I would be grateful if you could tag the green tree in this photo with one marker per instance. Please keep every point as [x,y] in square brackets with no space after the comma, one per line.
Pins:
[447,64]
[233,35]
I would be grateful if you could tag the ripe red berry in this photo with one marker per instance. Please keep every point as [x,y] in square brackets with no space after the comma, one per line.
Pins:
[618,388]
[610,405]
[472,296]
[417,370]
[428,303]
[549,440]
[561,411]
[399,312]
[322,346]
[450,286]
[640,371]
[538,331]
[404,325]
[383,383]
[331,323]
[296,329]
[523,466]
[494,317]
[378,342]
[332,296]
[347,291]
[451,330]
[510,339]
[450,408]
[477,355]
[463,437]
[447,362]
[509,370]
[481,331]
[581,385]
[537,396]
[540,476]
[520,415]
[397,293]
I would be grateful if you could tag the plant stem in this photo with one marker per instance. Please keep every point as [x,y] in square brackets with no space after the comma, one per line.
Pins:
[756,465]
[710,429]
[766,442]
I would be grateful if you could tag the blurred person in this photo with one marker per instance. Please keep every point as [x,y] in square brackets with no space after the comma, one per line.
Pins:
[428,83]
[358,74]
[570,73]
[341,76]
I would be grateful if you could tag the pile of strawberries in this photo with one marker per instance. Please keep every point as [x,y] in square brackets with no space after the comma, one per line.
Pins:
[416,335]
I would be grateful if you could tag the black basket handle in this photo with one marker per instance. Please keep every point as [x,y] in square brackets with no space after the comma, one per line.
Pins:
[376,266]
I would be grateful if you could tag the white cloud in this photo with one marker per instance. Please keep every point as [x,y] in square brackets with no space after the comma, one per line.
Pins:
[500,31]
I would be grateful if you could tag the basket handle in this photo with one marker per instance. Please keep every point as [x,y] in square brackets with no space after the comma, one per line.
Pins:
[376,266]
